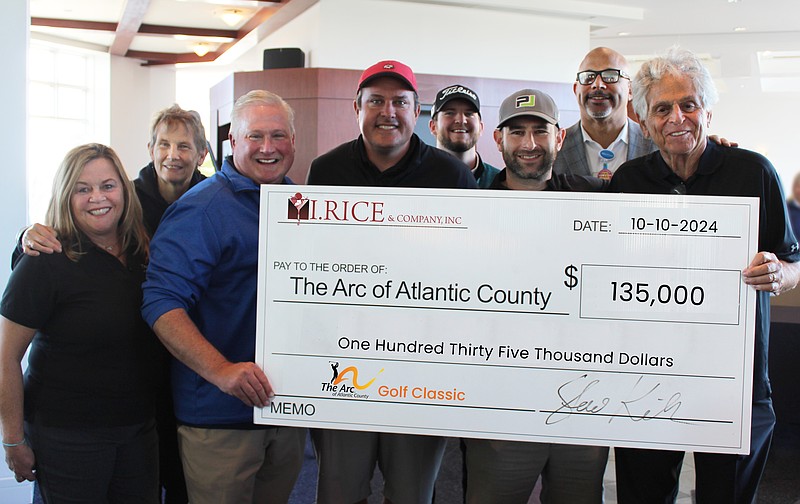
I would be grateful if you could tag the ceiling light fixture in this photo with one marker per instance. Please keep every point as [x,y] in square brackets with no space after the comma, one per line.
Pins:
[232,17]
[201,49]
[740,28]
[623,34]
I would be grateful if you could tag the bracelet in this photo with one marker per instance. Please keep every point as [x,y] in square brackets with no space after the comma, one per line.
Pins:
[11,445]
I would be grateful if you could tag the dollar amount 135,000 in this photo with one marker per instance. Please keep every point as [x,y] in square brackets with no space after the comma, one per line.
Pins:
[663,294]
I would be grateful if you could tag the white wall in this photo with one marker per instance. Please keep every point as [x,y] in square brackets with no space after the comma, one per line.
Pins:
[14,28]
[137,92]
[304,32]
[193,84]
[433,39]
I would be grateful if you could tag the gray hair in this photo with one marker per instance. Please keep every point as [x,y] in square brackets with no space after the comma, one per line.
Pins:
[175,115]
[259,97]
[677,62]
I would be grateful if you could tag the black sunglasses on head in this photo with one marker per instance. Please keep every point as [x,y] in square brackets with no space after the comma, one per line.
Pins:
[609,76]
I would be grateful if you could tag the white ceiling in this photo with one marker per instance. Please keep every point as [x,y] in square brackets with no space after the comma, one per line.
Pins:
[613,22]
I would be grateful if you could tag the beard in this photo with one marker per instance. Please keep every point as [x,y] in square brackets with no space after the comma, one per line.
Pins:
[601,113]
[457,146]
[513,164]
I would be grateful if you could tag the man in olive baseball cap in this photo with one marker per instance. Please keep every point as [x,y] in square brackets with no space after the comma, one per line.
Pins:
[528,102]
[529,139]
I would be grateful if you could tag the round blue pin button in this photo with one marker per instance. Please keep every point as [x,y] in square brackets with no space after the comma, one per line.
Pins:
[607,154]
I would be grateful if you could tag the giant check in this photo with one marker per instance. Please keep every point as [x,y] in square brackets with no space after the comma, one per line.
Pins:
[598,319]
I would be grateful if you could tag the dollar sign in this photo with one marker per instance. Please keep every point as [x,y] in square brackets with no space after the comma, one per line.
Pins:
[572,280]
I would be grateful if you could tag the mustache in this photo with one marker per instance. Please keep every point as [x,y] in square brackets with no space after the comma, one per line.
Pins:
[598,94]
[530,152]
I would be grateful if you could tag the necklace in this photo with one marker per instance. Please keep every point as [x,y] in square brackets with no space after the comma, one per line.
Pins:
[108,248]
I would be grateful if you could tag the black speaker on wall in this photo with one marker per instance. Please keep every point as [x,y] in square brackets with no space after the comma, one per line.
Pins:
[284,57]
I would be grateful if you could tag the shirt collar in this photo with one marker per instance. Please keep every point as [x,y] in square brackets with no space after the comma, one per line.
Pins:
[622,137]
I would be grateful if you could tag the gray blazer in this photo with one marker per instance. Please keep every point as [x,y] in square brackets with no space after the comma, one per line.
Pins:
[572,157]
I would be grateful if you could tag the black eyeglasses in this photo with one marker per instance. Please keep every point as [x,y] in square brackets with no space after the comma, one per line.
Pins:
[609,76]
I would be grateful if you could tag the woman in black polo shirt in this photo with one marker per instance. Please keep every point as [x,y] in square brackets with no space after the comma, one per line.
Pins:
[81,420]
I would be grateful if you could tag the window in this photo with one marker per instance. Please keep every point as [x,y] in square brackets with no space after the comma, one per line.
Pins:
[68,105]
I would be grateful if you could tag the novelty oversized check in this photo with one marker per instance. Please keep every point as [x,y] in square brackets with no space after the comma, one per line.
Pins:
[598,319]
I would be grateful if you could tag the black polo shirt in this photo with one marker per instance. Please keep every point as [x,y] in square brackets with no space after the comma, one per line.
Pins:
[92,356]
[422,166]
[559,182]
[726,171]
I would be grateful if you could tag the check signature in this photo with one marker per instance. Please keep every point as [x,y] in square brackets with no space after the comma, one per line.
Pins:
[645,400]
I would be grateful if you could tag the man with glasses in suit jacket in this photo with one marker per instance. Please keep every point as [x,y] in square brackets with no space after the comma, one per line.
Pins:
[605,137]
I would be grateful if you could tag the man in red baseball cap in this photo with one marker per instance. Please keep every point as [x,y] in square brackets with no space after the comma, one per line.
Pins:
[387,153]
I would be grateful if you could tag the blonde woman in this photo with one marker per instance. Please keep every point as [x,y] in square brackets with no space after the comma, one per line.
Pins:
[80,421]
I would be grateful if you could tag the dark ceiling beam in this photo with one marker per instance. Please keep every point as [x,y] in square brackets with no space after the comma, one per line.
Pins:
[157,58]
[74,24]
[179,30]
[144,29]
[128,26]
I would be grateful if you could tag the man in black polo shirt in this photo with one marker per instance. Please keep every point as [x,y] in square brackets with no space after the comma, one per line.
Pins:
[673,96]
[388,154]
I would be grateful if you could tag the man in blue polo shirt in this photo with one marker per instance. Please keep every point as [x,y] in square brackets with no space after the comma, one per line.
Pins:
[200,299]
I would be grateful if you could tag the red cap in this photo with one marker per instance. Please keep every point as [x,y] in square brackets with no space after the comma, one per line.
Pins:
[389,68]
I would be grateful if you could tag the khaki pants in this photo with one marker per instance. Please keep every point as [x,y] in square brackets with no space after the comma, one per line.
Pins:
[227,466]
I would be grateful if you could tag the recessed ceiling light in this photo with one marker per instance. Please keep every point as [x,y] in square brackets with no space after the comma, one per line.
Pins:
[623,34]
[740,28]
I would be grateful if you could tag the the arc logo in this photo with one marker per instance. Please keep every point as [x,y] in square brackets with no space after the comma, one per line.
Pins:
[351,373]
[348,383]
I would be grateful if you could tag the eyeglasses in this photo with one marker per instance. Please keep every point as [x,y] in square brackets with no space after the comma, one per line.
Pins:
[609,76]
